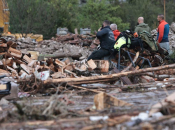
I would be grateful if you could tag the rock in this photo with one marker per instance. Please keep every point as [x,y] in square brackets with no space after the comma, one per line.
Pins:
[172,26]
[4,102]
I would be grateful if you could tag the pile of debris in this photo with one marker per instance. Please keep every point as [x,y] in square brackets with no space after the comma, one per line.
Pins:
[75,39]
[56,66]
[53,49]
[24,65]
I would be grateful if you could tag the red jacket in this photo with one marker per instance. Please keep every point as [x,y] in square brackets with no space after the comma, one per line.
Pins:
[116,33]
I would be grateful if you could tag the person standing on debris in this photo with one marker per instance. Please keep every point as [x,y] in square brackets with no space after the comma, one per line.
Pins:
[115,31]
[163,32]
[107,41]
[142,26]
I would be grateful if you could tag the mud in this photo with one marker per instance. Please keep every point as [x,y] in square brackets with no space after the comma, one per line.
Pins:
[141,102]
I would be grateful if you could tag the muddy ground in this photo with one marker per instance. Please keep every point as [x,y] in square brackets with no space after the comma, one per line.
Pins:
[80,102]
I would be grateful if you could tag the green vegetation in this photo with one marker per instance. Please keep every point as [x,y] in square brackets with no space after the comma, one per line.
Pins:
[94,12]
[45,16]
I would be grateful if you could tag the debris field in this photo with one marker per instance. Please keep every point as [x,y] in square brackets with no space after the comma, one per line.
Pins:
[54,87]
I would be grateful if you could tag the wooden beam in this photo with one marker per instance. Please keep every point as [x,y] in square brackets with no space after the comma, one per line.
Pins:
[94,79]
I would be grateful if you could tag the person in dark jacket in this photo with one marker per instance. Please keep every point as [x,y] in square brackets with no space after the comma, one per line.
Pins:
[107,41]
[162,33]
[142,26]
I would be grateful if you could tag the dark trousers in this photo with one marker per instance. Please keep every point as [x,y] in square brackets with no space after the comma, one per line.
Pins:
[99,54]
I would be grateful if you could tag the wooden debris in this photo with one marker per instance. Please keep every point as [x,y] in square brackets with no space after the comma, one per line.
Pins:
[103,100]
[22,72]
[95,79]
[85,88]
[102,65]
[146,79]
[124,79]
[58,75]
[15,53]
[25,68]
[27,59]
[34,55]
[14,65]
[60,63]
[61,55]
[3,45]
[166,106]
[11,69]
[4,72]
[130,65]
[92,64]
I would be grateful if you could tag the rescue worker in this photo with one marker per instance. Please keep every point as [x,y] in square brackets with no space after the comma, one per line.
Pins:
[162,33]
[107,41]
[114,30]
[142,26]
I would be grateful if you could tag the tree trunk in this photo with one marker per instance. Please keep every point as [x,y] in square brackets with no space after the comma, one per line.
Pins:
[95,79]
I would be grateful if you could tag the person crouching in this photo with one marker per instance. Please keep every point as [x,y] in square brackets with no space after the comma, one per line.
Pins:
[107,41]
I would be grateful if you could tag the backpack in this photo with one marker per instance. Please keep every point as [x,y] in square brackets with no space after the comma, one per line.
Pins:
[126,39]
[123,40]
[149,40]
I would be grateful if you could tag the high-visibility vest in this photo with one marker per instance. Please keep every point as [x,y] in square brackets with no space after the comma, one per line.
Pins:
[121,41]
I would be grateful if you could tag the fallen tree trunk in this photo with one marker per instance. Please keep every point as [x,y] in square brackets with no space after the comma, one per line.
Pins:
[94,79]
[85,88]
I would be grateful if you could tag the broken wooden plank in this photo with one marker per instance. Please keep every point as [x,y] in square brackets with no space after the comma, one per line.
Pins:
[103,100]
[15,53]
[25,68]
[92,64]
[23,72]
[34,55]
[8,62]
[166,105]
[102,65]
[32,63]
[14,65]
[60,63]
[3,45]
[4,72]
[146,79]
[12,70]
[58,75]
[27,59]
